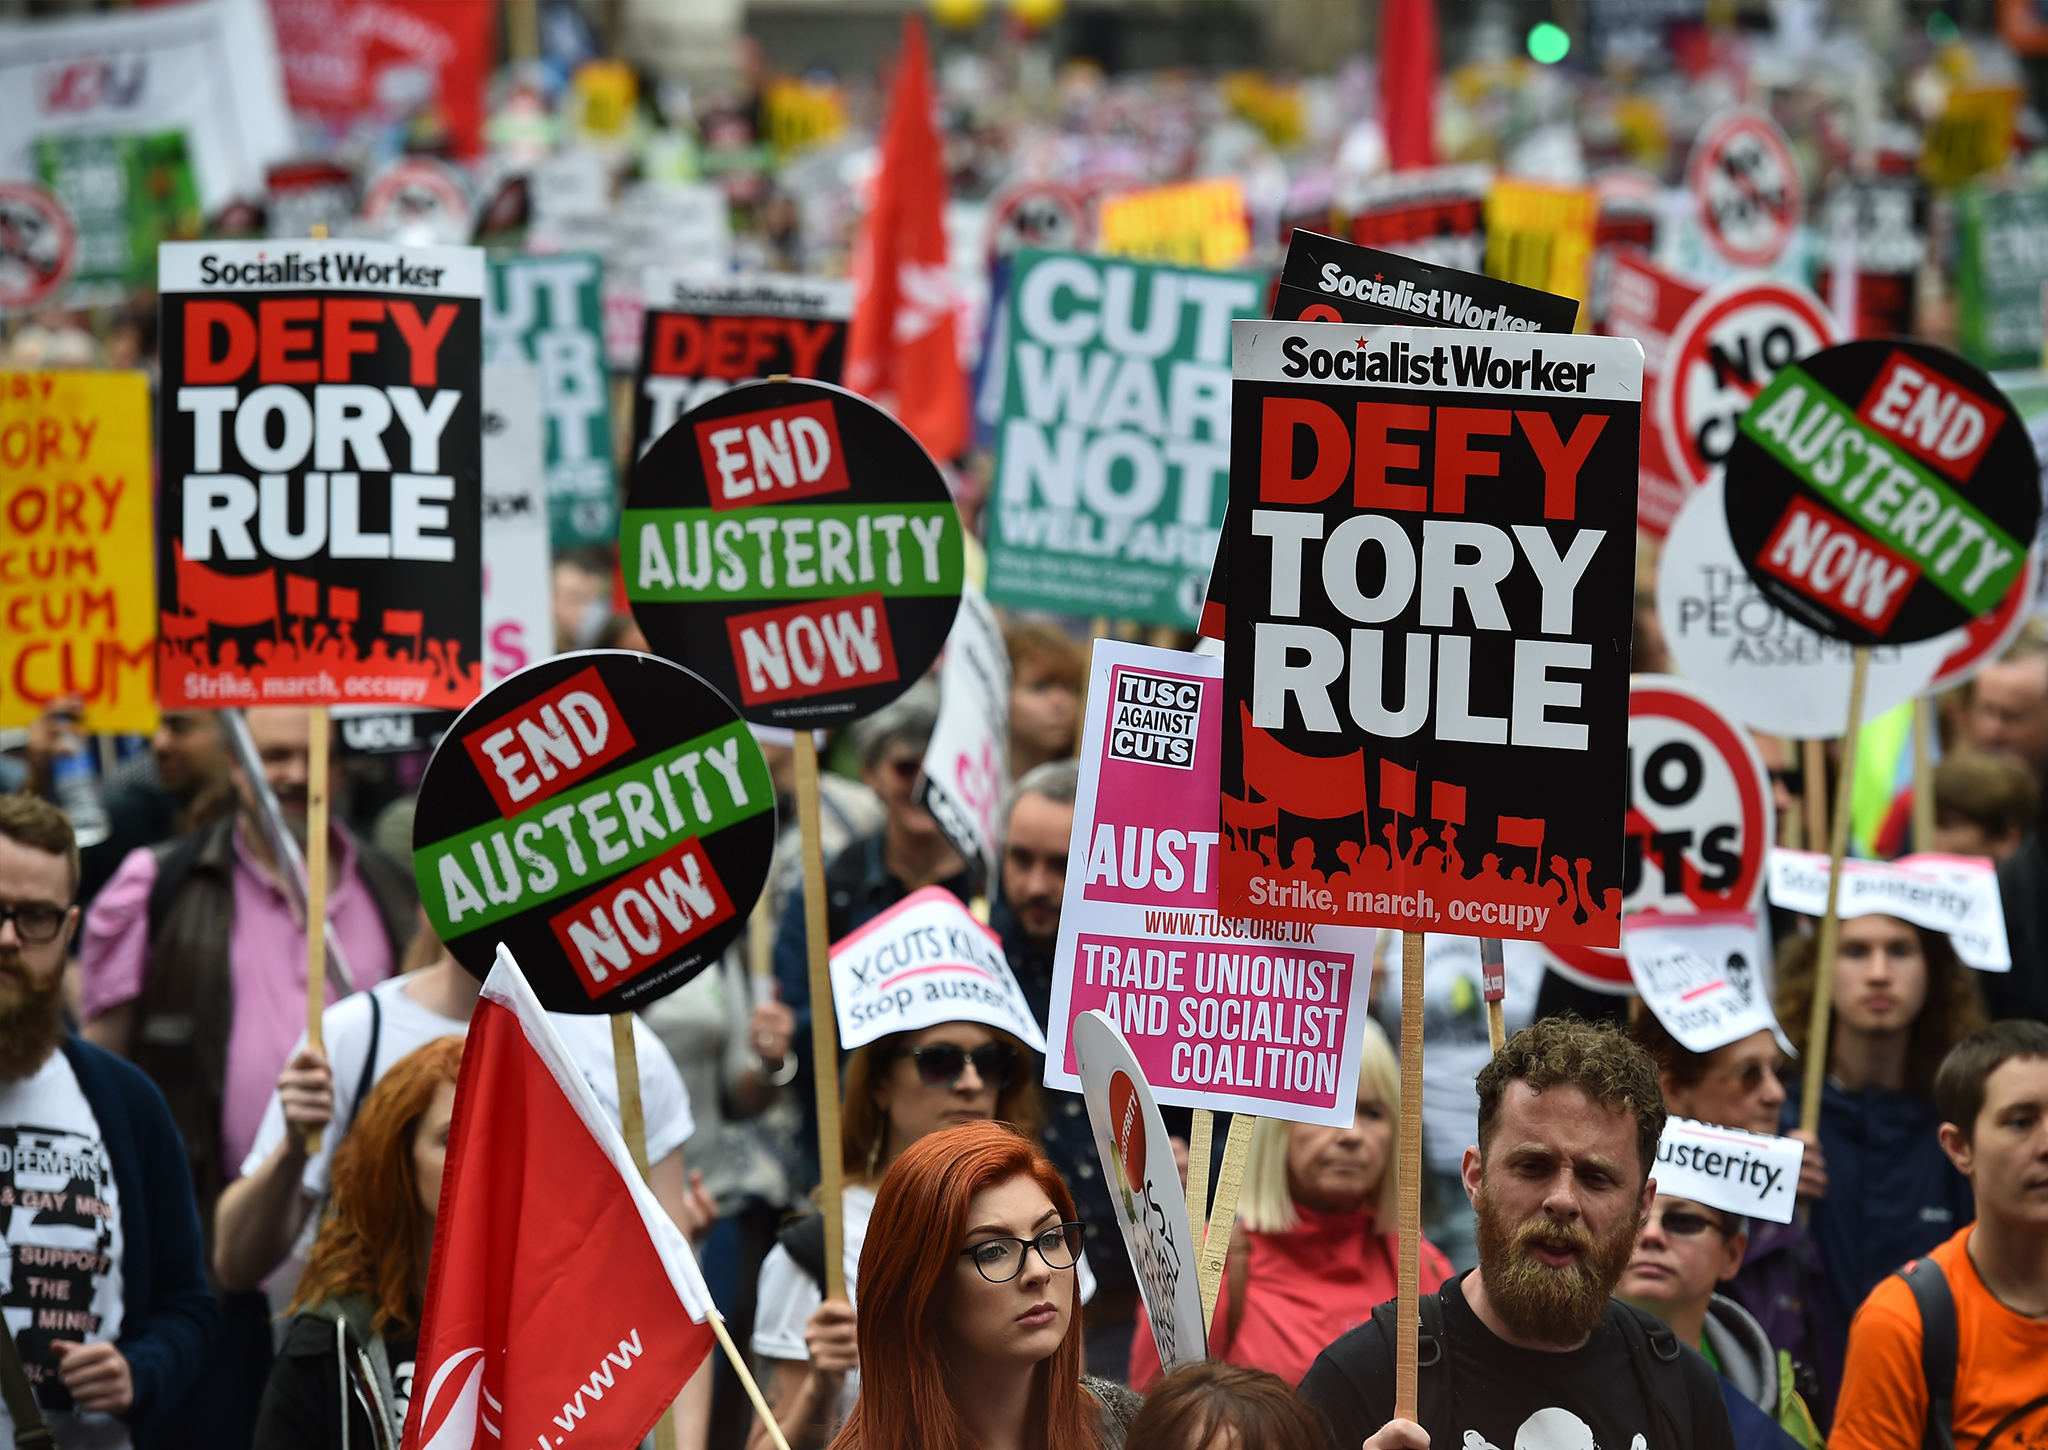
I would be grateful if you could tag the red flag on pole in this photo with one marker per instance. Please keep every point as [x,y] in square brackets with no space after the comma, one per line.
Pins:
[1397,788]
[226,599]
[561,1298]
[1447,802]
[900,348]
[1318,787]
[1408,82]
[1519,831]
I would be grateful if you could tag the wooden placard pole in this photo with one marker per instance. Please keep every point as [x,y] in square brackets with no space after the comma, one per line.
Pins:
[1409,1269]
[633,1126]
[1215,1249]
[1815,768]
[824,1025]
[1830,923]
[1923,773]
[1201,1134]
[316,886]
[1493,987]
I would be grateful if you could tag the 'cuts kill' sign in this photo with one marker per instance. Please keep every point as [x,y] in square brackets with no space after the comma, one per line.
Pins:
[606,816]
[1426,698]
[797,547]
[319,535]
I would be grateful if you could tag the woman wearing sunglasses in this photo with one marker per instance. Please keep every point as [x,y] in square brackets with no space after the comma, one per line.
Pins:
[899,1090]
[969,1315]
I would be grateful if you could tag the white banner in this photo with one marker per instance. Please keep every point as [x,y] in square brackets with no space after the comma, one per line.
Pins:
[1752,1174]
[1957,895]
[967,763]
[1702,975]
[922,962]
[519,620]
[1151,1205]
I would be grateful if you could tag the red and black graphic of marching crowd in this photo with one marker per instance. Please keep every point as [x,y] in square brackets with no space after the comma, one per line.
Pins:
[319,531]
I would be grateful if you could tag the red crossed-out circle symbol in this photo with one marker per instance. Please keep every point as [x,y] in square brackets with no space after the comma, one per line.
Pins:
[38,244]
[1699,823]
[1728,345]
[1746,182]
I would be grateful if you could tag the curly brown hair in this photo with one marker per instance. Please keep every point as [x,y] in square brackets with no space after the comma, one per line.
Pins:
[1952,1011]
[1597,1057]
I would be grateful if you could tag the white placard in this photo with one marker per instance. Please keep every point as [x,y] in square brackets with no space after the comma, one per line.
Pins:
[967,763]
[1957,895]
[519,620]
[1151,1205]
[922,962]
[1752,1174]
[1767,670]
[1701,975]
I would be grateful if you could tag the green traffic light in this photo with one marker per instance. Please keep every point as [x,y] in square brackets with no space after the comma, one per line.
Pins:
[1548,44]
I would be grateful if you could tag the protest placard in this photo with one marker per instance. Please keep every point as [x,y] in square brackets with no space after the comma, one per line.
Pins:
[38,247]
[1704,975]
[1745,182]
[519,619]
[1753,1174]
[1409,502]
[967,761]
[1151,1205]
[320,432]
[1223,1013]
[797,547]
[1954,895]
[125,193]
[703,334]
[1350,283]
[1111,462]
[1435,215]
[77,583]
[546,311]
[1192,224]
[2001,266]
[1541,235]
[606,816]
[1645,302]
[922,962]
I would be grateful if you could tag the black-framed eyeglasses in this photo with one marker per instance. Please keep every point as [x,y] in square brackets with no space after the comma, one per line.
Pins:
[1684,1225]
[942,1064]
[1001,1260]
[35,922]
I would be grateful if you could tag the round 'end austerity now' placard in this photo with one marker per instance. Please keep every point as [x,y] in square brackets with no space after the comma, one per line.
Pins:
[1883,491]
[796,546]
[604,814]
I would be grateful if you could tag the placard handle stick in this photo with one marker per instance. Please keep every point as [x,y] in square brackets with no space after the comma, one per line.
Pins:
[633,1127]
[1201,1134]
[1830,923]
[824,1025]
[1923,773]
[316,886]
[1815,769]
[739,1367]
[1409,1269]
[1493,987]
[1215,1248]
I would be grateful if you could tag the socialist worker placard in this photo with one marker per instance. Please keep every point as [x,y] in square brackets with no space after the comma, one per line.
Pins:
[1426,688]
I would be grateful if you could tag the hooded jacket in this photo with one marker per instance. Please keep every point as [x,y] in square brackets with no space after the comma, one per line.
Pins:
[1754,1369]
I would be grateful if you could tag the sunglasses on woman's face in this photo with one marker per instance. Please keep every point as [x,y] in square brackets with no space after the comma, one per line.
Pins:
[1682,1225]
[942,1064]
[904,770]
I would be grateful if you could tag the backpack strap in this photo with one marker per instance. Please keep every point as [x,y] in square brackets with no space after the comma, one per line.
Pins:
[175,860]
[1937,1304]
[1659,1363]
[368,1078]
[804,1241]
[1435,1401]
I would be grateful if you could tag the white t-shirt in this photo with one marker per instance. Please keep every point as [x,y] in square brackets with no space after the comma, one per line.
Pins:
[63,1241]
[787,1296]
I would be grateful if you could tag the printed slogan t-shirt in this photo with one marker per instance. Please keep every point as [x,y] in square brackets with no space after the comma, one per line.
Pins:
[62,1230]
[1507,1398]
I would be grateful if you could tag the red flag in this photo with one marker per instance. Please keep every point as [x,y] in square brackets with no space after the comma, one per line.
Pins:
[1408,82]
[1397,788]
[229,599]
[561,1298]
[403,621]
[1447,803]
[301,595]
[1250,815]
[1519,831]
[1318,787]
[900,349]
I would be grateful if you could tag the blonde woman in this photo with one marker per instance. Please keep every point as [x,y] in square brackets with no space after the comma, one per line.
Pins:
[1314,1249]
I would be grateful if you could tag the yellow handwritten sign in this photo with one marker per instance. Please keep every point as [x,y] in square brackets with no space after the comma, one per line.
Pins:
[802,114]
[1973,134]
[1542,236]
[77,567]
[1199,224]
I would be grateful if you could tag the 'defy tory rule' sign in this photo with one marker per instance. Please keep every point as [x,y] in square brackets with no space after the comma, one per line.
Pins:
[606,816]
[1883,491]
[796,546]
[320,516]
[1426,682]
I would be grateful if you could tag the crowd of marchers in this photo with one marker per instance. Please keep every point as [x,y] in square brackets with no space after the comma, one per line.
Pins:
[205,1265]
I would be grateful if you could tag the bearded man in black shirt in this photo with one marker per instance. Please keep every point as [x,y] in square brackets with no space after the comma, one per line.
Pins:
[1529,1351]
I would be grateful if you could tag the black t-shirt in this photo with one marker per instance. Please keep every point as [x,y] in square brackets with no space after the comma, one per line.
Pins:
[1505,1398]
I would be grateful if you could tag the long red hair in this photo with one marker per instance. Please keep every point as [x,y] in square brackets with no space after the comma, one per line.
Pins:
[919,1217]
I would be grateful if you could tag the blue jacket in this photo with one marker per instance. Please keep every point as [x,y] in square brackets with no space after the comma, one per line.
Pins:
[168,1313]
[1754,1430]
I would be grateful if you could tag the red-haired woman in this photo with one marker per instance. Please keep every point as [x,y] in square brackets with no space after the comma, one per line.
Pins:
[970,1334]
[345,1373]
